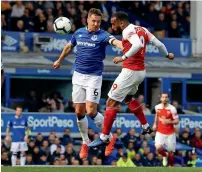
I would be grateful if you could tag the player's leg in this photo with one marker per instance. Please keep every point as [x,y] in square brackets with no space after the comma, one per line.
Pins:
[23,149]
[136,109]
[79,98]
[118,91]
[160,141]
[14,150]
[134,105]
[171,145]
[92,100]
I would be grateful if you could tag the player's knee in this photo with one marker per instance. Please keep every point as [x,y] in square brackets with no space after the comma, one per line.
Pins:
[22,154]
[111,103]
[79,112]
[91,110]
[158,147]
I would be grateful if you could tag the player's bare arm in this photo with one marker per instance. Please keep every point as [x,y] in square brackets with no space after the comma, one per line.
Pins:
[67,49]
[8,138]
[117,44]
[26,134]
[155,122]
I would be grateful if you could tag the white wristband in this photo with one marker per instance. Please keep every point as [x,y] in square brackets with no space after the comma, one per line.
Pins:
[124,57]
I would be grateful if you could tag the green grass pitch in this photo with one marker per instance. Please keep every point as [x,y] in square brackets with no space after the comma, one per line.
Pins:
[99,169]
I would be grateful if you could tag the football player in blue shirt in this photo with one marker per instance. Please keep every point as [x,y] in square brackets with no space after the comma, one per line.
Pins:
[90,42]
[19,128]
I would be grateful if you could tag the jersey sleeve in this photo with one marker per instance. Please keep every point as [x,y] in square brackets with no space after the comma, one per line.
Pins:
[73,40]
[9,124]
[150,36]
[156,109]
[128,33]
[108,37]
[174,113]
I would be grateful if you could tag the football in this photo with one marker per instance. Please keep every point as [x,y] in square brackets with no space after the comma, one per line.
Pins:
[62,25]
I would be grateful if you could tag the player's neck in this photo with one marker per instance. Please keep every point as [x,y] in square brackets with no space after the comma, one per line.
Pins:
[126,25]
[89,30]
[164,105]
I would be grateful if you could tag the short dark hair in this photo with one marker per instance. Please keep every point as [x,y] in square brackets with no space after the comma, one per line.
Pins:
[95,11]
[120,15]
[18,106]
[164,93]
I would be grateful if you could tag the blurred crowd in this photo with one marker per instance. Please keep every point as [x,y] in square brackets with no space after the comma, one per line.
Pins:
[131,149]
[169,18]
[54,102]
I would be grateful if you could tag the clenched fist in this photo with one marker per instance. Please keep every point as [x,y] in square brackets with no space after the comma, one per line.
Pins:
[56,64]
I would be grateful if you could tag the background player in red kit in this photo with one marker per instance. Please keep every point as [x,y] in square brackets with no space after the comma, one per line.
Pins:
[166,117]
[133,73]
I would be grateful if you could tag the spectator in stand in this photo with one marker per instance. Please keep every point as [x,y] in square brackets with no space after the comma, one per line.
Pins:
[39,139]
[70,107]
[31,102]
[5,160]
[66,137]
[54,146]
[29,160]
[125,161]
[45,149]
[138,160]
[176,105]
[197,140]
[184,138]
[161,24]
[174,31]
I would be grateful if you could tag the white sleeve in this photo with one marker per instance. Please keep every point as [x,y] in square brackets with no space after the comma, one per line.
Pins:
[154,41]
[174,113]
[155,109]
[134,39]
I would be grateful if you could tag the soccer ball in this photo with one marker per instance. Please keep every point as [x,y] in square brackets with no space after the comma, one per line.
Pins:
[62,25]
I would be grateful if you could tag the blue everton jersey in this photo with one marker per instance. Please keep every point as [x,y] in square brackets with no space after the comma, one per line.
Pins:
[90,50]
[18,128]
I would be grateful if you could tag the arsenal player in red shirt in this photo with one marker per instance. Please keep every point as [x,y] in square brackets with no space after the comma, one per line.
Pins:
[133,73]
[165,119]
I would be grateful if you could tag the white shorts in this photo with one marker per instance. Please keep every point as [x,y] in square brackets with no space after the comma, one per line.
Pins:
[126,84]
[167,141]
[86,88]
[19,146]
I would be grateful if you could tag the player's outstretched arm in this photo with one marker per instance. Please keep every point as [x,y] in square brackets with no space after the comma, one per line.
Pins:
[162,48]
[67,49]
[117,43]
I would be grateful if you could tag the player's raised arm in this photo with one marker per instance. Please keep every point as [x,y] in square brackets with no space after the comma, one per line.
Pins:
[67,49]
[162,48]
[65,52]
[115,42]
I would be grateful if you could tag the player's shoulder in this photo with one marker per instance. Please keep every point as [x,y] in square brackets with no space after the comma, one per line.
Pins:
[158,106]
[80,30]
[104,32]
[130,29]
[171,107]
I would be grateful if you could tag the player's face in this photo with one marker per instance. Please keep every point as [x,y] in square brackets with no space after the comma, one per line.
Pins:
[164,98]
[94,22]
[116,25]
[18,112]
